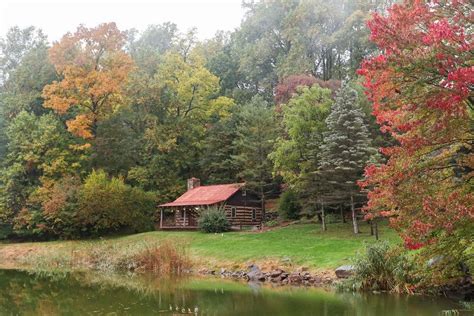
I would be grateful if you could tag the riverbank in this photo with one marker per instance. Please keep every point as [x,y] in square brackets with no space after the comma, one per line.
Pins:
[298,248]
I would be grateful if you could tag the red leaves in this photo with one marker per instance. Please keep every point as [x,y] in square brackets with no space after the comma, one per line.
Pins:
[289,86]
[411,244]
[420,87]
[439,31]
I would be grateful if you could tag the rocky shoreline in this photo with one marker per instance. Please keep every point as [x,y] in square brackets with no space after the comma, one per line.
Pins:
[278,276]
[461,290]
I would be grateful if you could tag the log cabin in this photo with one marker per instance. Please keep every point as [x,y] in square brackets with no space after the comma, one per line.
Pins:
[242,208]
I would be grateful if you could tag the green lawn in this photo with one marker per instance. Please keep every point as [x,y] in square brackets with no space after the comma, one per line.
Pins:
[298,245]
[303,244]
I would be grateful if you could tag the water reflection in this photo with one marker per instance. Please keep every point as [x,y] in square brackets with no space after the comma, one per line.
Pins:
[86,293]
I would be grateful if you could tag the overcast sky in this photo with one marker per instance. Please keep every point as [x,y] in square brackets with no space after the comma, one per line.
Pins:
[57,17]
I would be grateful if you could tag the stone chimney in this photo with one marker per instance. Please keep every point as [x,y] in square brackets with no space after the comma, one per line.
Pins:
[193,183]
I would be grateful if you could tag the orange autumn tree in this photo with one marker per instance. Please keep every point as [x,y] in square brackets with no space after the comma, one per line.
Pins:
[93,66]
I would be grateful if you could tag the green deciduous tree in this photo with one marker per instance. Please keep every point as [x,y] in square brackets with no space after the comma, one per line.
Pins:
[173,109]
[38,148]
[289,206]
[16,44]
[148,49]
[296,152]
[24,71]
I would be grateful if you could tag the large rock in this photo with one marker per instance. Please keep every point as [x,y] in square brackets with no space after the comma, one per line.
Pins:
[306,276]
[295,278]
[255,274]
[344,271]
[276,273]
[434,261]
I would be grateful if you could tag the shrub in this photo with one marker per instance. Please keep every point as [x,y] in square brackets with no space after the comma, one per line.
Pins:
[57,202]
[449,259]
[272,223]
[108,205]
[213,221]
[5,231]
[384,268]
[289,206]
[332,218]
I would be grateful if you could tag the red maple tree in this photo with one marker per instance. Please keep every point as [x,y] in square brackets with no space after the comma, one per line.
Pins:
[421,85]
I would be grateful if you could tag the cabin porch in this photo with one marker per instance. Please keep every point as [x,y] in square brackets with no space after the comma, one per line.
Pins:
[179,218]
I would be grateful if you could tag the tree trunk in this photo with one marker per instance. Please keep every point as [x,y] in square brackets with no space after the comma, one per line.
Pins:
[323,217]
[354,217]
[376,230]
[342,214]
[371,222]
[263,207]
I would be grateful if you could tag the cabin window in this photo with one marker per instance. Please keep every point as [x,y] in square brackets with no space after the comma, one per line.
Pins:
[233,211]
[254,213]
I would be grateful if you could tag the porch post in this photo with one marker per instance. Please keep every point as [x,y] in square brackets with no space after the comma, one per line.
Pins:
[161,218]
[184,219]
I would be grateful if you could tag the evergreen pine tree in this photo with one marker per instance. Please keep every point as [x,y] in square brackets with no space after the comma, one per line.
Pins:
[256,133]
[217,162]
[346,150]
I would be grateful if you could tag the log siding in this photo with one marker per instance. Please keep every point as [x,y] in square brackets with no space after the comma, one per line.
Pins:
[243,215]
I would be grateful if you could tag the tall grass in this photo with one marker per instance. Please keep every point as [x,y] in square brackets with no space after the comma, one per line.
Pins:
[384,268]
[164,258]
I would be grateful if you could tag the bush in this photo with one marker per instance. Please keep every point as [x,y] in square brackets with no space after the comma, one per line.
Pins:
[5,231]
[449,259]
[213,221]
[272,223]
[332,218]
[289,206]
[56,201]
[383,268]
[108,205]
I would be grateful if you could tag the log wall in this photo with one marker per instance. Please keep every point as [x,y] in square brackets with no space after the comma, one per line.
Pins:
[243,215]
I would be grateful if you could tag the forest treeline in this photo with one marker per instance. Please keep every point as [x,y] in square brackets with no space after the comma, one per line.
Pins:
[101,125]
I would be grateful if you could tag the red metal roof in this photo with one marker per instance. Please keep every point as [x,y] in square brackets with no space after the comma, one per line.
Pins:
[206,195]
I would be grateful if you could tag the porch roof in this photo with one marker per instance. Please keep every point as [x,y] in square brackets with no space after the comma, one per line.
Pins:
[206,195]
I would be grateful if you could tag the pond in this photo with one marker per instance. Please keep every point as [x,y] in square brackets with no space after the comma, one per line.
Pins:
[23,293]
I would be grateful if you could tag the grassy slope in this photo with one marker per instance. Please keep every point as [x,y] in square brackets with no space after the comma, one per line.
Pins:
[303,244]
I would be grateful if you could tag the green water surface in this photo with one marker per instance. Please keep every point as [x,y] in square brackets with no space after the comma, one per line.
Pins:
[23,293]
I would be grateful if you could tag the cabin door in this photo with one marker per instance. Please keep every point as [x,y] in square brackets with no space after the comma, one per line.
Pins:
[192,220]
